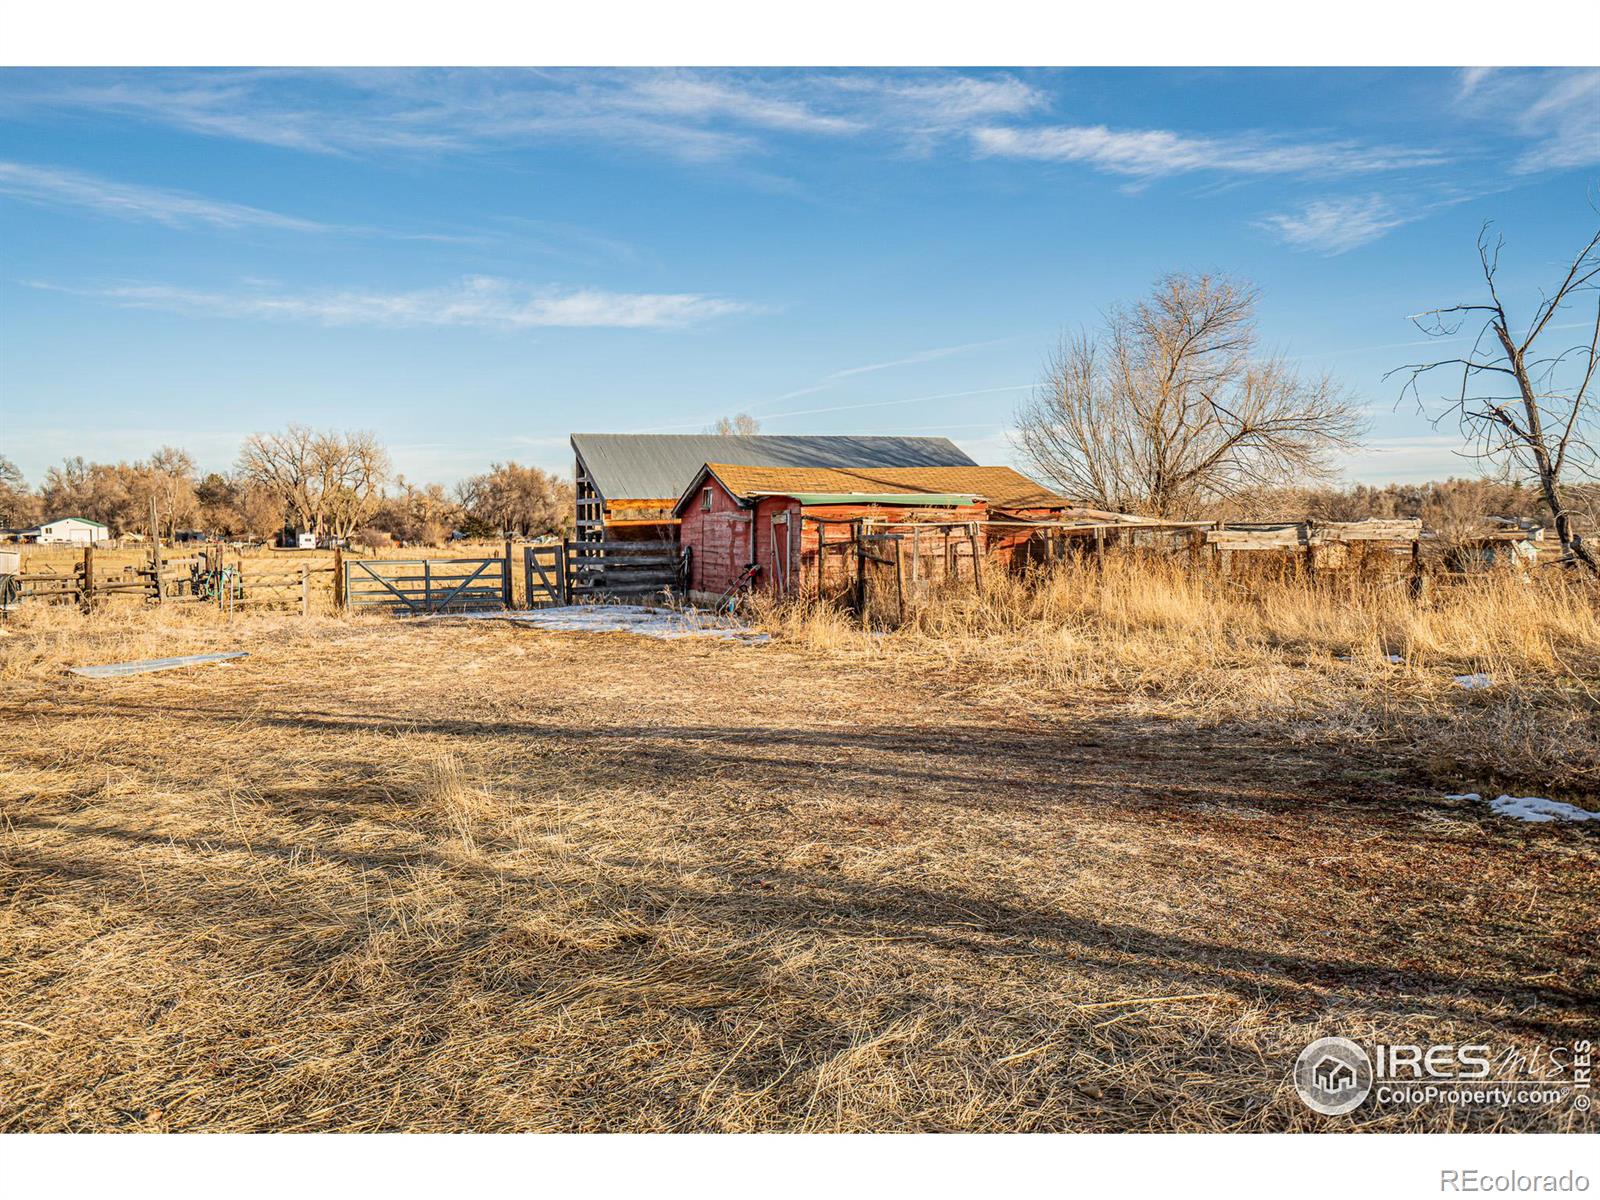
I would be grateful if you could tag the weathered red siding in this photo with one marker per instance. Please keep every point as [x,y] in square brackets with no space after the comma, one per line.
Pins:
[1014,547]
[718,541]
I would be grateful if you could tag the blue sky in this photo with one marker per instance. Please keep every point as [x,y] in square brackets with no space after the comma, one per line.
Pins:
[475,263]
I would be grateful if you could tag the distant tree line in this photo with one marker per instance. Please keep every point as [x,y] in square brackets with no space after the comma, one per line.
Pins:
[331,483]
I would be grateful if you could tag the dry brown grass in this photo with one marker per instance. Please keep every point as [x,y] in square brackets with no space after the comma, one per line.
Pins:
[464,875]
[1157,639]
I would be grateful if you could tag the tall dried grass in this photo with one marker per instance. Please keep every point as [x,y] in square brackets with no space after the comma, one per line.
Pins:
[1361,657]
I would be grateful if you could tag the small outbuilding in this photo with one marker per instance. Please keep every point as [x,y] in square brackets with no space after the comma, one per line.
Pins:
[775,528]
[68,531]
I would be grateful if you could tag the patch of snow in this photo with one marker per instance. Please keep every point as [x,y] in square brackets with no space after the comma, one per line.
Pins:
[1394,658]
[1536,808]
[1530,808]
[1480,680]
[625,618]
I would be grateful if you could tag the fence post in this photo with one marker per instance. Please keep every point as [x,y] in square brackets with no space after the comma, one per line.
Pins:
[338,579]
[505,576]
[155,549]
[305,591]
[563,576]
[427,585]
[900,581]
[86,589]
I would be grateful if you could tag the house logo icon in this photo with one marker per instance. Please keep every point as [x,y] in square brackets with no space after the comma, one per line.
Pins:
[1333,1076]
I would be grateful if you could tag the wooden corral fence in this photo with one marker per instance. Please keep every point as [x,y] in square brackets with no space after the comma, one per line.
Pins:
[609,569]
[199,578]
[882,570]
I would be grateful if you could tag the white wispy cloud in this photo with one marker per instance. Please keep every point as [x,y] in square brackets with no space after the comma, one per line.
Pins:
[692,115]
[1147,153]
[57,186]
[686,95]
[1554,112]
[475,302]
[1335,226]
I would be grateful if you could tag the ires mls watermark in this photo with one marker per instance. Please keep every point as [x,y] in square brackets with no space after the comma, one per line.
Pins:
[1335,1076]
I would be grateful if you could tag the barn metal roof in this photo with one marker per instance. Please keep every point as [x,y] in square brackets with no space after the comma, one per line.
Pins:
[658,466]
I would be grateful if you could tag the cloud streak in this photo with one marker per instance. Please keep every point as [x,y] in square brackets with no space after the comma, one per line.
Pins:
[57,186]
[695,116]
[1552,112]
[1149,153]
[477,302]
[1333,227]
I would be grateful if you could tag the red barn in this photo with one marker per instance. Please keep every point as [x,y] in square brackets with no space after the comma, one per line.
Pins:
[762,527]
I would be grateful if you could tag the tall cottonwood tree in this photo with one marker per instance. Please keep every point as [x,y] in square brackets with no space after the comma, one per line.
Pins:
[1170,406]
[1523,398]
[327,482]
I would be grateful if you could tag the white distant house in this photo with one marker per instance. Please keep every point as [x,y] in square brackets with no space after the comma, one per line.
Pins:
[68,531]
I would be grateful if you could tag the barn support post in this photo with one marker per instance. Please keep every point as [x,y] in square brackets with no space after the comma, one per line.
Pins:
[1419,581]
[977,558]
[900,580]
[822,559]
[858,528]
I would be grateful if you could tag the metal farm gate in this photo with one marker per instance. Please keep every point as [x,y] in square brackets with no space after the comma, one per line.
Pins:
[426,585]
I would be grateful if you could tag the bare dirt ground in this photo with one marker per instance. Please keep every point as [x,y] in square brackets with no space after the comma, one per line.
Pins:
[441,875]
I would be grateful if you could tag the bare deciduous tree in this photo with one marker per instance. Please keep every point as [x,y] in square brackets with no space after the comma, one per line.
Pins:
[350,470]
[514,498]
[282,463]
[328,483]
[170,480]
[740,425]
[1525,408]
[18,504]
[1169,406]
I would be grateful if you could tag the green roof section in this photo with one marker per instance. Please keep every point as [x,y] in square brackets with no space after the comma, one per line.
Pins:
[898,499]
